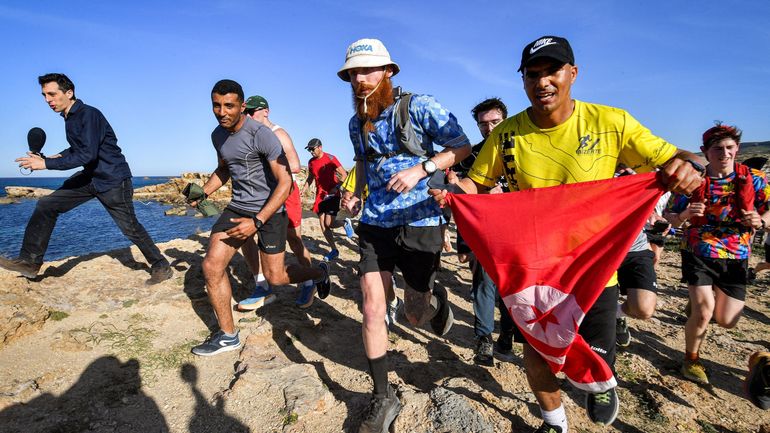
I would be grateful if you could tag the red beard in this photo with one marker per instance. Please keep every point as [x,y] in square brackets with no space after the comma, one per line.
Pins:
[376,103]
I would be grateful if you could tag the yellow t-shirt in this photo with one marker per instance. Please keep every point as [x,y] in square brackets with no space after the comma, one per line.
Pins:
[350,184]
[588,146]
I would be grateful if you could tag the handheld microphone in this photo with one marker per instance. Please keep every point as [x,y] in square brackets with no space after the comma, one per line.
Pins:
[36,141]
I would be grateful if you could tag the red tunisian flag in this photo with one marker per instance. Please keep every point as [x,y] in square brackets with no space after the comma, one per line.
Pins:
[551,252]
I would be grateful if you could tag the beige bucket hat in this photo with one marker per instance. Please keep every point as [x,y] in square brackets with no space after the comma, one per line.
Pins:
[366,53]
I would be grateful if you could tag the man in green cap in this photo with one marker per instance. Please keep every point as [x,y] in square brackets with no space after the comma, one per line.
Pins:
[258,109]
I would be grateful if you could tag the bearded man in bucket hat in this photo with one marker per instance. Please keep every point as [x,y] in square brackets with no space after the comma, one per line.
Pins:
[400,226]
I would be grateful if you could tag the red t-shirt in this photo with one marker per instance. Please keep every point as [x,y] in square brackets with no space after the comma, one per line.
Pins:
[324,170]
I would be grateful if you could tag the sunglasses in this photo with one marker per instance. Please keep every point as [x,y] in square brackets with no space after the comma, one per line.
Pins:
[251,111]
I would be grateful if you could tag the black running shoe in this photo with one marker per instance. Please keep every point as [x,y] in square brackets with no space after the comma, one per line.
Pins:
[484,352]
[443,320]
[602,407]
[622,333]
[381,413]
[548,428]
[324,286]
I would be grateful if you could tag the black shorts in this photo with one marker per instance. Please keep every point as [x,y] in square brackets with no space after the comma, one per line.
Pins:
[271,237]
[730,275]
[656,239]
[416,251]
[597,327]
[638,272]
[329,206]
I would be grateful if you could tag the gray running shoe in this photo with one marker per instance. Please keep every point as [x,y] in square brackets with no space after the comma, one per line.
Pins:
[217,343]
[381,413]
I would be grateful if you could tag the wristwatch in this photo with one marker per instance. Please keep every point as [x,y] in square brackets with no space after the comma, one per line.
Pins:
[429,166]
[258,223]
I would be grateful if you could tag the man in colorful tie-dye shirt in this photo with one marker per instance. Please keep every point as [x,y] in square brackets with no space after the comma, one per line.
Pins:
[717,244]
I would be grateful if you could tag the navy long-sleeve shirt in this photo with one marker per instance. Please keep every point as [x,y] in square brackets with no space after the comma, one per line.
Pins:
[94,146]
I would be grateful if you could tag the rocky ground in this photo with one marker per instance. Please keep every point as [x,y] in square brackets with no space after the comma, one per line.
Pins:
[88,347]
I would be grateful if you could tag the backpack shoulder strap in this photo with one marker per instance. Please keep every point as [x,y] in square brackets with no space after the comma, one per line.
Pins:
[404,130]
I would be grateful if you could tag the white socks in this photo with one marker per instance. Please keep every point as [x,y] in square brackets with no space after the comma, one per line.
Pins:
[620,314]
[556,418]
[261,281]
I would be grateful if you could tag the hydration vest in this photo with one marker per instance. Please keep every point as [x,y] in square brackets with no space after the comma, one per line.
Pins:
[743,198]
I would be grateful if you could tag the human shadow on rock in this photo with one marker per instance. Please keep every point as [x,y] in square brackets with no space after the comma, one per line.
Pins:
[108,396]
[122,255]
[208,418]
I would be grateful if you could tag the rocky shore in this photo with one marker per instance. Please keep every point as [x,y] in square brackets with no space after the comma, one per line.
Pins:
[169,192]
[88,347]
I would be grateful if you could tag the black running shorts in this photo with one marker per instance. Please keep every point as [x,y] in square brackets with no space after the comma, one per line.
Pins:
[638,272]
[416,251]
[330,206]
[271,237]
[730,275]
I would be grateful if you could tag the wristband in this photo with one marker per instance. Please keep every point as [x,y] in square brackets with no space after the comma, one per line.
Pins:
[699,168]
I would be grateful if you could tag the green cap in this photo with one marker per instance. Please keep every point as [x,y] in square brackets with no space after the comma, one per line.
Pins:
[256,101]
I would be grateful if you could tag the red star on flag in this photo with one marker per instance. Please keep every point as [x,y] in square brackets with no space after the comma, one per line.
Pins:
[543,317]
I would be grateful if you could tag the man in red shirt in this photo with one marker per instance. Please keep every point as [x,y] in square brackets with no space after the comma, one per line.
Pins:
[328,174]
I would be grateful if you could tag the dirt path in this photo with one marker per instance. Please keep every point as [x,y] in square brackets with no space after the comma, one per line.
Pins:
[88,347]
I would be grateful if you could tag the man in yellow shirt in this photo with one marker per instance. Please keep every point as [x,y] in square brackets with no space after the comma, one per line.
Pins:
[558,140]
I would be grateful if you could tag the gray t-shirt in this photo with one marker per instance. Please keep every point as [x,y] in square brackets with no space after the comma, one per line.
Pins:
[640,243]
[248,153]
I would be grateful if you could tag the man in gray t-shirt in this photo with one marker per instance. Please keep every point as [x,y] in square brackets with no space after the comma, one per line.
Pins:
[637,280]
[254,221]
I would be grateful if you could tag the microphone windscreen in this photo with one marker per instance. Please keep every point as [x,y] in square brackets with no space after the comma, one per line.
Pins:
[36,139]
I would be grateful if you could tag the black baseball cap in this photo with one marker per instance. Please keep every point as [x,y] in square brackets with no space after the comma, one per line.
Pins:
[554,47]
[313,143]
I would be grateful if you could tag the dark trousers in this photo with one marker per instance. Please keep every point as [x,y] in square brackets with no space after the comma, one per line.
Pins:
[485,296]
[75,191]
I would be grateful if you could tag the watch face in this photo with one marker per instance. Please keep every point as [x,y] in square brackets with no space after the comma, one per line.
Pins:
[429,166]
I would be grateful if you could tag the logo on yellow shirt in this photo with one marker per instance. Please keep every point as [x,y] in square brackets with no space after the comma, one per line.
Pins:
[587,147]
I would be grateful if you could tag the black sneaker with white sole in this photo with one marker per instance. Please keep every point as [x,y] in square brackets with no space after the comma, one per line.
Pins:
[602,407]
[622,333]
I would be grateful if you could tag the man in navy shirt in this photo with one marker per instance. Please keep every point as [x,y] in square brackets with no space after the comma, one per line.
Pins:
[105,176]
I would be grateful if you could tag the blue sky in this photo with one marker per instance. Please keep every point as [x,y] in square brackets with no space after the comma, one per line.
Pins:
[149,66]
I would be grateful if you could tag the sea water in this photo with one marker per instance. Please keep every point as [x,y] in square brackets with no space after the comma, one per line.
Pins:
[89,228]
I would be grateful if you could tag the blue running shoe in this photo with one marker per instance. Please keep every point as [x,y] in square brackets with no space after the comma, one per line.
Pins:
[217,343]
[333,254]
[325,285]
[306,294]
[260,297]
[349,228]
